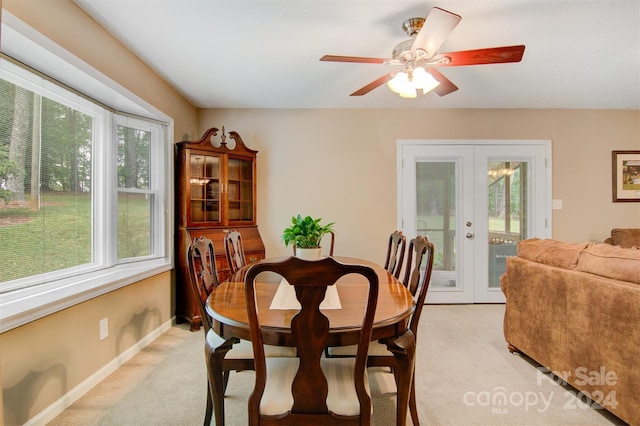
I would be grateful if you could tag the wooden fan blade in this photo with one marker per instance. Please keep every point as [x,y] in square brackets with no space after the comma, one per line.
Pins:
[446,86]
[374,84]
[357,59]
[436,28]
[494,55]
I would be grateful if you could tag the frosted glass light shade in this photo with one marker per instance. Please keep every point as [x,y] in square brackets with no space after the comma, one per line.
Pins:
[398,82]
[424,80]
[420,79]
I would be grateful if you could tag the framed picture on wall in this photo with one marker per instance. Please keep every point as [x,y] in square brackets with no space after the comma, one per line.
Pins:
[625,166]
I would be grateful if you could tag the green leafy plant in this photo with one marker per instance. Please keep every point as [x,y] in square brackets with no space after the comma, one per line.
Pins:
[305,232]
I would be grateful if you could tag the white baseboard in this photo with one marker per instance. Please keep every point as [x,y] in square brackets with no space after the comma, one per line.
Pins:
[53,410]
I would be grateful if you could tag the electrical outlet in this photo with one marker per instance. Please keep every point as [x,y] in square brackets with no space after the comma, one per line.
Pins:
[104,328]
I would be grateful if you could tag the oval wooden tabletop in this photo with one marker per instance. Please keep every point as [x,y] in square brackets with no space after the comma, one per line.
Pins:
[226,305]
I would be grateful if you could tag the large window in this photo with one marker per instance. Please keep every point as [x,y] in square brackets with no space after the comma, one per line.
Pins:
[46,180]
[84,193]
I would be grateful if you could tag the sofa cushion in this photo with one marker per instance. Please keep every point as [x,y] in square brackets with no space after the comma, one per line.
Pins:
[551,252]
[625,237]
[611,262]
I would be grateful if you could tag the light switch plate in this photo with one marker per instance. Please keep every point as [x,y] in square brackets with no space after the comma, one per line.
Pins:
[104,328]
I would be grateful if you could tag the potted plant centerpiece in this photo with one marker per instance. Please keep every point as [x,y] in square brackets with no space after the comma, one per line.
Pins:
[305,234]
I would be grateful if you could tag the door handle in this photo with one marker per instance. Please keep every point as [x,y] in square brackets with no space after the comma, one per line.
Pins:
[469,235]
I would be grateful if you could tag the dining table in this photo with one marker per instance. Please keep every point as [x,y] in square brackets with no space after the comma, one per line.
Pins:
[343,307]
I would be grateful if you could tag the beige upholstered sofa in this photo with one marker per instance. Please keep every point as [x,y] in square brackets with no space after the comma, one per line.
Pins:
[575,309]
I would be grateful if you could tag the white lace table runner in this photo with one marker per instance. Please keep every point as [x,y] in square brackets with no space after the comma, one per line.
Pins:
[285,298]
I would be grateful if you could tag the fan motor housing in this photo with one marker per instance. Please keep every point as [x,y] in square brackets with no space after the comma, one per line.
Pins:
[412,26]
[402,52]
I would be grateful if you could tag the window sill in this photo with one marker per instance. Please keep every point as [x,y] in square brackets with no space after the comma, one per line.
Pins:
[25,305]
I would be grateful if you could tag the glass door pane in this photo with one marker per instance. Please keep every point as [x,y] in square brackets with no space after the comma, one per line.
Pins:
[507,213]
[435,199]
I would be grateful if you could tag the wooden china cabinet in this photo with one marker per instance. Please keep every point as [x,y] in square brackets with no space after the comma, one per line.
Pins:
[215,193]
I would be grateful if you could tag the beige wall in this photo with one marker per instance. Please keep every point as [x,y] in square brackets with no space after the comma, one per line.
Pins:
[341,165]
[42,360]
[45,359]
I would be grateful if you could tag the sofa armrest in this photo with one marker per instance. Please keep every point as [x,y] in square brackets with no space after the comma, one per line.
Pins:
[625,237]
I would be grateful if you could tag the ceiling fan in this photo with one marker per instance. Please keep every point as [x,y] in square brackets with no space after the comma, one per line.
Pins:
[419,55]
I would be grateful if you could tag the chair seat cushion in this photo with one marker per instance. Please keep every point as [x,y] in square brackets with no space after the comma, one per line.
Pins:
[375,348]
[244,349]
[341,399]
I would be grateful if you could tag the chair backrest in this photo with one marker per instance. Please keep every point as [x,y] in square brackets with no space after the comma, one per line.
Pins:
[418,286]
[310,329]
[395,253]
[333,238]
[203,274]
[234,250]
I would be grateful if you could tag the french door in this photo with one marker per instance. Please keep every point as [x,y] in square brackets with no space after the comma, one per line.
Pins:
[474,200]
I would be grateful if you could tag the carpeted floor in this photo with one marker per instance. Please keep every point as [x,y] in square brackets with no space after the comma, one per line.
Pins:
[462,371]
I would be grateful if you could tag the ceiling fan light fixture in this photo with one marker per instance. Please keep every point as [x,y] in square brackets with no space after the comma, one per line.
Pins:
[420,53]
[406,83]
[409,92]
[398,82]
[402,85]
[424,80]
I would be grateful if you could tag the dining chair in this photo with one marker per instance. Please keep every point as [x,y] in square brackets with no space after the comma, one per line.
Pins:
[393,264]
[234,251]
[332,235]
[221,356]
[416,278]
[395,253]
[310,389]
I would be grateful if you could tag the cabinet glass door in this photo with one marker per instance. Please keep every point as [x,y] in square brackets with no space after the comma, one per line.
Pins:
[205,188]
[240,192]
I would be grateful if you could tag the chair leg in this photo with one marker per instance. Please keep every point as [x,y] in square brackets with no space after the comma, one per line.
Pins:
[215,372]
[209,412]
[403,349]
[413,407]
[216,387]
[225,381]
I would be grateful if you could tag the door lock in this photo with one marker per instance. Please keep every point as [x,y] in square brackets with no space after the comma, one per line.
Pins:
[469,235]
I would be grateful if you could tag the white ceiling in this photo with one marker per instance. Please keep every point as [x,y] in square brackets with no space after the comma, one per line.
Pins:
[265,54]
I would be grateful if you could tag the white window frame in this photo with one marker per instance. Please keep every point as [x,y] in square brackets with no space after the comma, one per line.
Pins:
[156,183]
[59,290]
